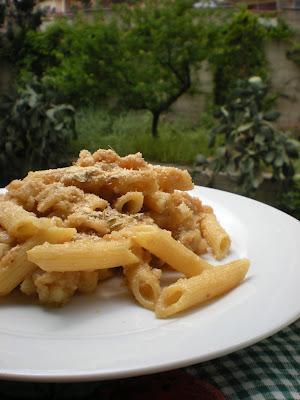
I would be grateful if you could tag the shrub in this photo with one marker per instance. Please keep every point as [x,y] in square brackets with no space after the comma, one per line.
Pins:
[280,31]
[252,145]
[239,53]
[35,131]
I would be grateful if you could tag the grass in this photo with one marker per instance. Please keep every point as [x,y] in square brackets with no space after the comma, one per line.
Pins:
[178,142]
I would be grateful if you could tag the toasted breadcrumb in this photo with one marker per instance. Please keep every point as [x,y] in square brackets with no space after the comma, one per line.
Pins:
[83,196]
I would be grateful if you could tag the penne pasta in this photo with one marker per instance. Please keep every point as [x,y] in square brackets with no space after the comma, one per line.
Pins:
[56,234]
[63,230]
[3,249]
[217,238]
[130,203]
[171,178]
[157,201]
[160,243]
[186,293]
[82,255]
[143,281]
[18,222]
[14,266]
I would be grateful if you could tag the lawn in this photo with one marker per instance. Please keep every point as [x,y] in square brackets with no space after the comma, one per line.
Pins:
[178,142]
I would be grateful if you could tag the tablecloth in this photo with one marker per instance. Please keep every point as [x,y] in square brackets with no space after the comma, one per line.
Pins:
[268,370]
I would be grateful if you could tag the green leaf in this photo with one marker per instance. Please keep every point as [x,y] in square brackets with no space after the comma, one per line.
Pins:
[200,159]
[292,148]
[279,161]
[245,127]
[271,115]
[270,157]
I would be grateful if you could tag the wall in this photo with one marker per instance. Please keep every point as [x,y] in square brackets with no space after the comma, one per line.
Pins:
[285,80]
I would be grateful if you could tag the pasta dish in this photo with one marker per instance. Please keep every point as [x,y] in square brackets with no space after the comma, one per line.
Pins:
[66,230]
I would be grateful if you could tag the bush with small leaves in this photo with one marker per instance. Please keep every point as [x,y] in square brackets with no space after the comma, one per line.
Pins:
[251,146]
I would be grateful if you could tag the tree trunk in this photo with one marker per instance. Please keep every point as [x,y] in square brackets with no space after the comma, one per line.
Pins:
[155,119]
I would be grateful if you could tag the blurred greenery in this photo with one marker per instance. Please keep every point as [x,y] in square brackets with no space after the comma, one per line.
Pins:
[252,144]
[239,53]
[122,74]
[128,132]
[36,131]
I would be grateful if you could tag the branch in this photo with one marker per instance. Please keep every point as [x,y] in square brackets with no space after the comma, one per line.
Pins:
[183,88]
[142,100]
[170,65]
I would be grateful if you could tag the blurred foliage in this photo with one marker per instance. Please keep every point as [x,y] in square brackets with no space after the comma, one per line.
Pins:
[17,18]
[162,43]
[252,145]
[44,48]
[290,201]
[78,60]
[145,56]
[141,60]
[127,132]
[35,131]
[280,31]
[294,53]
[239,53]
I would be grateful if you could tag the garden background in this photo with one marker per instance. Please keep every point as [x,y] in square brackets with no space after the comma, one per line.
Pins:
[215,90]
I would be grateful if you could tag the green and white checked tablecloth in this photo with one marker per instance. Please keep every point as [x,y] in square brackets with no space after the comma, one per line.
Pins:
[269,370]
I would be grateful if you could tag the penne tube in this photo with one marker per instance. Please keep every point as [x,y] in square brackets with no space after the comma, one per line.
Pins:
[130,203]
[18,222]
[217,238]
[160,243]
[14,266]
[171,178]
[56,234]
[82,255]
[143,281]
[186,293]
[3,249]
[157,201]
[88,281]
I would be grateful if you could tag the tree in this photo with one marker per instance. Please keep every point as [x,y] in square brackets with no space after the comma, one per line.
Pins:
[82,65]
[162,43]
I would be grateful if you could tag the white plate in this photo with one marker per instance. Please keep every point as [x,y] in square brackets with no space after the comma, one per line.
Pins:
[106,335]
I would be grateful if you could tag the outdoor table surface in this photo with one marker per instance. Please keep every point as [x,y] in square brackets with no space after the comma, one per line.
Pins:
[267,370]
